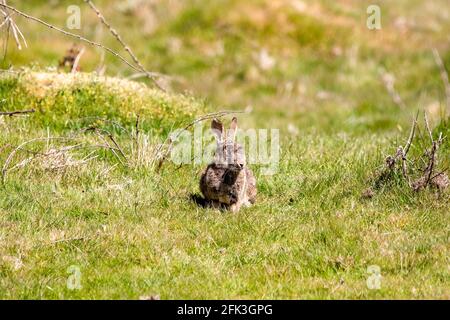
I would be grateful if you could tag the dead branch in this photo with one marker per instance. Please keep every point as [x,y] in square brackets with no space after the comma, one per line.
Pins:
[12,26]
[411,135]
[123,44]
[76,36]
[11,155]
[397,163]
[403,151]
[427,125]
[55,152]
[77,60]
[116,149]
[111,137]
[432,158]
[19,112]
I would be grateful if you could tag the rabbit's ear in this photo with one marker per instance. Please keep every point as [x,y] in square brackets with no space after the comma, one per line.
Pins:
[233,129]
[217,128]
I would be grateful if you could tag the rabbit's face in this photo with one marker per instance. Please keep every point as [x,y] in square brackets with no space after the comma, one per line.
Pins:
[230,155]
[228,152]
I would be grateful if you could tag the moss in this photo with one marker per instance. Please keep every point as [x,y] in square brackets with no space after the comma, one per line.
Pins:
[62,100]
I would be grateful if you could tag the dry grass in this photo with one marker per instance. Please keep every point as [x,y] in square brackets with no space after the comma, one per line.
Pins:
[311,70]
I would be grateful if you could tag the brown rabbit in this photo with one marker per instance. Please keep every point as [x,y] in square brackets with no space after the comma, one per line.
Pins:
[228,182]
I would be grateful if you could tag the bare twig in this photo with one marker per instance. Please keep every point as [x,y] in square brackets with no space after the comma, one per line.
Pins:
[18,35]
[52,152]
[440,173]
[429,170]
[7,18]
[12,26]
[77,61]
[124,45]
[432,157]
[428,127]
[11,155]
[76,36]
[19,112]
[8,28]
[398,162]
[411,135]
[403,151]
[111,137]
[100,133]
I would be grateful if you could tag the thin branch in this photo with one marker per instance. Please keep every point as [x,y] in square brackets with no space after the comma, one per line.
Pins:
[5,48]
[18,33]
[11,155]
[77,61]
[7,18]
[428,127]
[440,173]
[124,45]
[12,26]
[110,136]
[432,158]
[73,35]
[13,113]
[411,135]
[100,133]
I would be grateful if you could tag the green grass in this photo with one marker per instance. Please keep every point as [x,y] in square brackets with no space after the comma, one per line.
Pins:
[135,232]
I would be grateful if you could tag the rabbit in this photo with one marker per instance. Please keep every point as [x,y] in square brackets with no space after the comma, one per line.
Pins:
[227,182]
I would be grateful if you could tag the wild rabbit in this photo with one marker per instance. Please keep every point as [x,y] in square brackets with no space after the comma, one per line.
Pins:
[227,182]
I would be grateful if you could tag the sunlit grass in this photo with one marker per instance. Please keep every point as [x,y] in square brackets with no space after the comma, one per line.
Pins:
[310,69]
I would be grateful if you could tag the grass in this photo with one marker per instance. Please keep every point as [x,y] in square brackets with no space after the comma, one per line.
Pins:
[135,232]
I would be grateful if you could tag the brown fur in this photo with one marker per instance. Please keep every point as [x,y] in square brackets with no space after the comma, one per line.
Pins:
[69,59]
[228,182]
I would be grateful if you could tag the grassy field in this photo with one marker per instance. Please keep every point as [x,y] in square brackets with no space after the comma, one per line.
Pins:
[310,69]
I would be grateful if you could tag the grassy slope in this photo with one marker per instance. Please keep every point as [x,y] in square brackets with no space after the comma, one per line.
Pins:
[310,235]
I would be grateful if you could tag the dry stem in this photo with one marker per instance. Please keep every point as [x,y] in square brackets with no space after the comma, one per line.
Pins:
[81,38]
[124,45]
